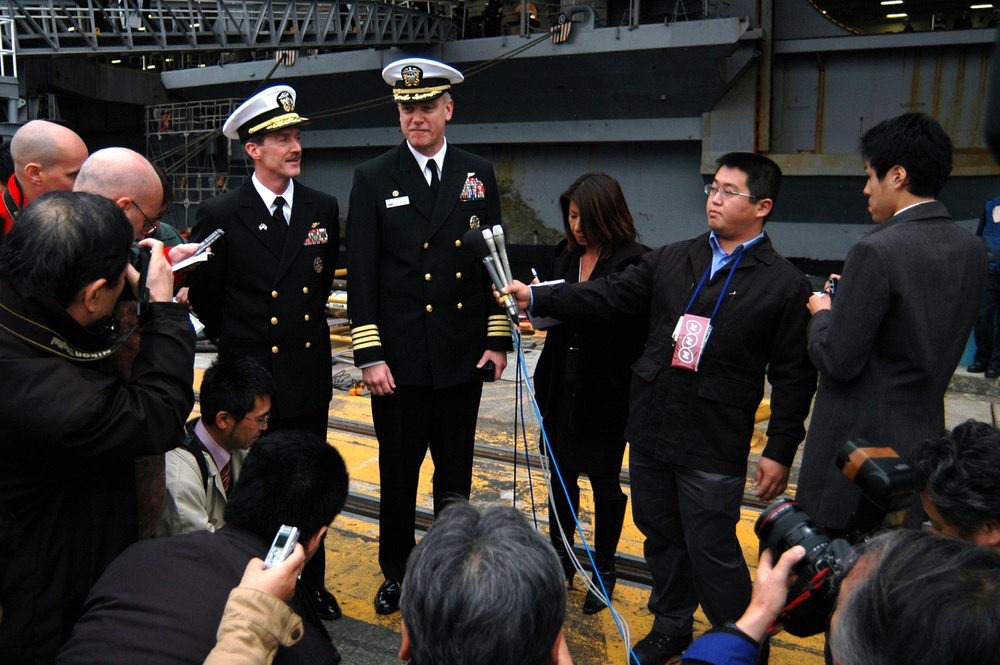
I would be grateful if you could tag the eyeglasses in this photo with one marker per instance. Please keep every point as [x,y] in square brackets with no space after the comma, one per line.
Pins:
[727,194]
[150,226]
[261,422]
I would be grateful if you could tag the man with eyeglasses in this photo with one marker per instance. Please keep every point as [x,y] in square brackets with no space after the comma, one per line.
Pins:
[725,311]
[129,179]
[235,400]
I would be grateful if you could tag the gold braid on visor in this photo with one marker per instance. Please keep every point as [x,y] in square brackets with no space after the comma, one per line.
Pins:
[278,122]
[418,95]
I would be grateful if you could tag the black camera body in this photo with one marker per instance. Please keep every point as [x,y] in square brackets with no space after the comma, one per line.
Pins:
[139,258]
[887,484]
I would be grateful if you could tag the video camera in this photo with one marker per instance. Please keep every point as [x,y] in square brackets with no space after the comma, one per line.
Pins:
[887,484]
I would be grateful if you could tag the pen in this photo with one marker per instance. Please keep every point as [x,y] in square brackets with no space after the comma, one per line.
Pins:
[534,273]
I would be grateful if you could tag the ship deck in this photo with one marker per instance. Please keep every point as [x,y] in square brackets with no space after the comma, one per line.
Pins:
[352,569]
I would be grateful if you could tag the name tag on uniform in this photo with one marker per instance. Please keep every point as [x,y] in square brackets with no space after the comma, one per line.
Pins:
[398,201]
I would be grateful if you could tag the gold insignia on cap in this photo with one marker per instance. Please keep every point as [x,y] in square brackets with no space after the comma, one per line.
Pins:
[318,265]
[411,75]
[286,101]
[473,222]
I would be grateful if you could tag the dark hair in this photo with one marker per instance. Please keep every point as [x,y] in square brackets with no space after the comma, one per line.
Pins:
[763,175]
[232,384]
[6,163]
[960,470]
[604,214]
[256,139]
[483,588]
[168,187]
[915,141]
[289,477]
[928,599]
[64,241]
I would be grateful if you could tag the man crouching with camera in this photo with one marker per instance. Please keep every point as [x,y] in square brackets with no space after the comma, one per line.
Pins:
[71,430]
[911,598]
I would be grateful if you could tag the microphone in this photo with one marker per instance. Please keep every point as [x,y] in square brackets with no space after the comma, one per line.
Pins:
[502,250]
[474,241]
[488,237]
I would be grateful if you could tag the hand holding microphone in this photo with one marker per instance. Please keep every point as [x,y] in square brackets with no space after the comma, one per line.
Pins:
[474,241]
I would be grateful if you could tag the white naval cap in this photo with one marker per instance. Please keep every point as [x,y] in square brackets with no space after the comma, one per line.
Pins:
[419,79]
[269,110]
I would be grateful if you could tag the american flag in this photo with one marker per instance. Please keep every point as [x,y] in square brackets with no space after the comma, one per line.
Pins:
[559,28]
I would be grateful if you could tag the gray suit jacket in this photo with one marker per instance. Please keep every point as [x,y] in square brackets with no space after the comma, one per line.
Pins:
[905,305]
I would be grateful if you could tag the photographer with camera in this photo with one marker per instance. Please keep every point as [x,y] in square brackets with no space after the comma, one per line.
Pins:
[910,598]
[959,474]
[71,429]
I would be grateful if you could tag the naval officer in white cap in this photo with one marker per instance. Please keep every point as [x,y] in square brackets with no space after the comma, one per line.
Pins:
[423,322]
[264,294]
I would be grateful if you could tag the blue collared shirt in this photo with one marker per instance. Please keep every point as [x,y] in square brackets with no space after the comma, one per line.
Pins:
[719,257]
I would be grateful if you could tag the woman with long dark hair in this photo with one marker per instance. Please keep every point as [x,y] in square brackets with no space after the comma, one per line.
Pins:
[582,377]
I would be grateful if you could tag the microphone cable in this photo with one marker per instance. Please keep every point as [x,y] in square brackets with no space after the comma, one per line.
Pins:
[546,452]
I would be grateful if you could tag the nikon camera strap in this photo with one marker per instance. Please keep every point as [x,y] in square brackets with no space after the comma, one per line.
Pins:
[47,339]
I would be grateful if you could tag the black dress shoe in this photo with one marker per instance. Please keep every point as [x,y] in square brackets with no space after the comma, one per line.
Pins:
[992,373]
[326,605]
[976,368]
[657,648]
[387,598]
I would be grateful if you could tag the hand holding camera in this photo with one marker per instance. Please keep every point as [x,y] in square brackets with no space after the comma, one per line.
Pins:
[159,277]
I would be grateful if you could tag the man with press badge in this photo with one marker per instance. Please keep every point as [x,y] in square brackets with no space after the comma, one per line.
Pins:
[264,293]
[424,324]
[725,310]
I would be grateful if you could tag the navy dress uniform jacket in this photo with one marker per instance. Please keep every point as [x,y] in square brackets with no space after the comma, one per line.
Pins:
[704,420]
[417,299]
[267,301]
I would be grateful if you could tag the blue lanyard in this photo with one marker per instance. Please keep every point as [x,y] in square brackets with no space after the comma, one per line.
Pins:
[732,271]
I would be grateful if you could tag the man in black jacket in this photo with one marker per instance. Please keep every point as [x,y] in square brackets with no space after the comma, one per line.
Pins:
[161,600]
[71,429]
[725,309]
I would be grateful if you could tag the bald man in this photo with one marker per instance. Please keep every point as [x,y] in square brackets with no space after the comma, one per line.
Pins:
[128,179]
[47,158]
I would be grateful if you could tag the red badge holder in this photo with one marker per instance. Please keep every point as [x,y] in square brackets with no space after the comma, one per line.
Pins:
[690,337]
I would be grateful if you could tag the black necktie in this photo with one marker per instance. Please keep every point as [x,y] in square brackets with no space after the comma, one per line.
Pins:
[280,224]
[279,211]
[435,180]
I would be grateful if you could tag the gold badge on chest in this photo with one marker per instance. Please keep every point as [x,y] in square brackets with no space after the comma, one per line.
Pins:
[474,222]
[318,265]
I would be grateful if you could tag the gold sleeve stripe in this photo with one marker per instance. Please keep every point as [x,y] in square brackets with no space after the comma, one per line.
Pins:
[498,326]
[364,337]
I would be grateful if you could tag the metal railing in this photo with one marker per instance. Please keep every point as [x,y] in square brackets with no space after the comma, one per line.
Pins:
[86,26]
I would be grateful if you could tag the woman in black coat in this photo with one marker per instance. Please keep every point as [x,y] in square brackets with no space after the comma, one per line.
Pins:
[582,378]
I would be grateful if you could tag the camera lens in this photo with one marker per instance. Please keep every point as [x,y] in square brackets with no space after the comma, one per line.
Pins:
[785,525]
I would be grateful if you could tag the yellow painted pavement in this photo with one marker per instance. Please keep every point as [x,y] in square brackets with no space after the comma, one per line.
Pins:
[352,568]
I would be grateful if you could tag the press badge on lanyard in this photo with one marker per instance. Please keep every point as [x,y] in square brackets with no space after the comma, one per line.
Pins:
[692,332]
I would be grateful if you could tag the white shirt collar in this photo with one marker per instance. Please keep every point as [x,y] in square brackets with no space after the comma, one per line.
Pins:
[267,196]
[423,159]
[219,454]
[913,205]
